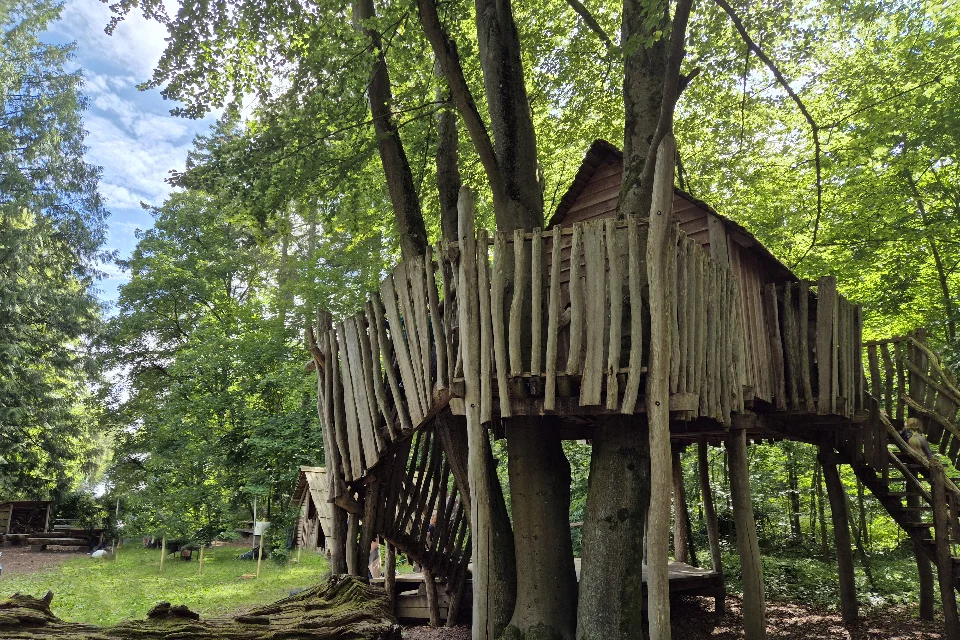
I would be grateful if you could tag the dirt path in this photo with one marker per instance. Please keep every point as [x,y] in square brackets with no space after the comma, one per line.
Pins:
[20,560]
[693,619]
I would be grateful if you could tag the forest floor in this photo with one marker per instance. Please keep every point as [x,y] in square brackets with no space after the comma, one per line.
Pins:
[104,592]
[693,619]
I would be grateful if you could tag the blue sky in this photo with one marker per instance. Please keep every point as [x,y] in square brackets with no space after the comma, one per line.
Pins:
[131,134]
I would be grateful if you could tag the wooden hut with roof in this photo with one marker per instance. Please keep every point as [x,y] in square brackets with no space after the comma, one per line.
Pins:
[315,524]
[455,343]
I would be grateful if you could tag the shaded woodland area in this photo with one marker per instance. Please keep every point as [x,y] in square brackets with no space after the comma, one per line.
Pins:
[829,130]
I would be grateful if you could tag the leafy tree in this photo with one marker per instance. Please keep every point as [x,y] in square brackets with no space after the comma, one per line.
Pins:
[51,234]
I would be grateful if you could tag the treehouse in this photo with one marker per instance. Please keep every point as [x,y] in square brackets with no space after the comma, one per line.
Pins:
[555,323]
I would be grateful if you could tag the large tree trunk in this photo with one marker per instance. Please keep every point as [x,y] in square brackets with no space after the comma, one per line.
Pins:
[644,70]
[611,589]
[540,496]
[400,183]
[448,172]
[343,607]
[514,138]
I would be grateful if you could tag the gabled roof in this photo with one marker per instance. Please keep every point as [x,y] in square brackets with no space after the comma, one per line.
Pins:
[602,152]
[313,479]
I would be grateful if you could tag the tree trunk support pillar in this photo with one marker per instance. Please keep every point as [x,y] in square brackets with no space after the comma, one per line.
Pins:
[841,535]
[748,546]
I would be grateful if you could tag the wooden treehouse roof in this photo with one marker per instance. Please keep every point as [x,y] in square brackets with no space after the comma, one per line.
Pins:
[596,188]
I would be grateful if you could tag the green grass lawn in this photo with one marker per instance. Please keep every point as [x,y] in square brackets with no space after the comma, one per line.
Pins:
[103,592]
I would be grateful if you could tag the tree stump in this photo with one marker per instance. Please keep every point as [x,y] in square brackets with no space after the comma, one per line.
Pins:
[342,608]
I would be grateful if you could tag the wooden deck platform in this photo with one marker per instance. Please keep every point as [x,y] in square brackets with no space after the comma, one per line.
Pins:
[685,580]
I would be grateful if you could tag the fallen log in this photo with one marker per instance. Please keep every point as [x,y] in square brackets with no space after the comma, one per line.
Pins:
[343,608]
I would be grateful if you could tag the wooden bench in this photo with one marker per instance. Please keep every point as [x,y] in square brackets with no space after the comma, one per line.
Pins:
[41,543]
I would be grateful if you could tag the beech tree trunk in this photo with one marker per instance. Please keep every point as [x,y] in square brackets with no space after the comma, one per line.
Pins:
[448,172]
[682,538]
[341,608]
[644,70]
[841,534]
[540,496]
[396,167]
[611,589]
[709,510]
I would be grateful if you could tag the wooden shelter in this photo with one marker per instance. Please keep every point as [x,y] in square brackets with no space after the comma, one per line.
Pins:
[454,343]
[25,516]
[314,526]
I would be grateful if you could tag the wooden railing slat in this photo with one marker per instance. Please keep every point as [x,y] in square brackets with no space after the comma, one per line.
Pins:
[615,284]
[593,366]
[553,322]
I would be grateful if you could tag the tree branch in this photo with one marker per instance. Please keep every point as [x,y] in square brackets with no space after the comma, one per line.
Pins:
[448,58]
[814,129]
[591,22]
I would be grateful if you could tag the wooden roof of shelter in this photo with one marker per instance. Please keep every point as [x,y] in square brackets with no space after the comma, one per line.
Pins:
[26,504]
[607,160]
[314,480]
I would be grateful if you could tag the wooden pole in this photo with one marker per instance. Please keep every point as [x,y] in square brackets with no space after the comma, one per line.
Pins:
[433,603]
[709,511]
[201,558]
[748,546]
[924,568]
[163,551]
[661,250]
[299,549]
[390,576]
[683,549]
[941,534]
[493,590]
[353,553]
[259,552]
[841,535]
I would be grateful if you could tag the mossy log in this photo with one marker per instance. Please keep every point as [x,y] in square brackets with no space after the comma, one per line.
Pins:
[343,608]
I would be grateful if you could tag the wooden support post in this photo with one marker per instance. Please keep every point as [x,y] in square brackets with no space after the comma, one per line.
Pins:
[353,557]
[259,552]
[682,544]
[433,604]
[661,248]
[390,576]
[491,611]
[924,568]
[841,535]
[941,535]
[709,511]
[748,546]
[201,558]
[337,540]
[163,551]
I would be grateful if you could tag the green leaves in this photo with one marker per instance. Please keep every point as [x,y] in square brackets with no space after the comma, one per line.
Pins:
[51,233]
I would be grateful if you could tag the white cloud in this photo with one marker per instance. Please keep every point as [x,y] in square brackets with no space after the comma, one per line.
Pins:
[135,46]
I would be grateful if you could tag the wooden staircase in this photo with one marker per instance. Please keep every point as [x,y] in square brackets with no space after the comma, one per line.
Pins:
[907,379]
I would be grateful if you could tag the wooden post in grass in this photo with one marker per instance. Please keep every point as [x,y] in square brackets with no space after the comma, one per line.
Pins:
[201,559]
[259,552]
[163,551]
[299,549]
